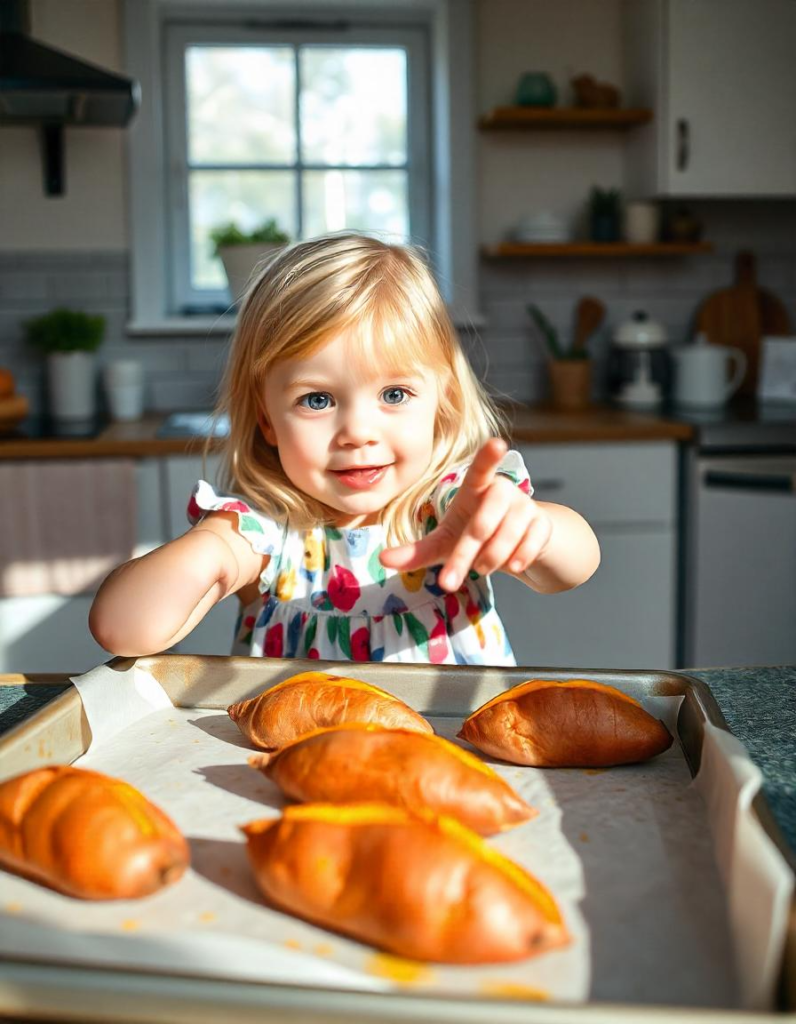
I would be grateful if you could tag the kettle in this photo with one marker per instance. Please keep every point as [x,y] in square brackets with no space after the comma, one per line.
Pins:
[639,365]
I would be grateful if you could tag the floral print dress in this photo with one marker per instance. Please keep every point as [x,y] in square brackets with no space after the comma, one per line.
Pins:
[325,594]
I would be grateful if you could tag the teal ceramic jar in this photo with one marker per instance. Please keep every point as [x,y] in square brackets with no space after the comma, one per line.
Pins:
[536,89]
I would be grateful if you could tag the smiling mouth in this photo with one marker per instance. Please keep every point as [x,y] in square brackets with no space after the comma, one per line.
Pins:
[359,478]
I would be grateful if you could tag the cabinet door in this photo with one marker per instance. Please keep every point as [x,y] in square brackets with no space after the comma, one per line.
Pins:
[215,633]
[623,617]
[731,75]
[47,633]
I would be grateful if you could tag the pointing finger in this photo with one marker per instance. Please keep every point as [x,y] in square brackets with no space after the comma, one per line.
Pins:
[484,466]
[407,557]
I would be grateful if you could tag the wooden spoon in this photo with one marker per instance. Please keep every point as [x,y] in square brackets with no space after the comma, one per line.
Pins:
[588,317]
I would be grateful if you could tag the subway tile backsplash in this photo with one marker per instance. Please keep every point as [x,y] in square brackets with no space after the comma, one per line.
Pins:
[184,372]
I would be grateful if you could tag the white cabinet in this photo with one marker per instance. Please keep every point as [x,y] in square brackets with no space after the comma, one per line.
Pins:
[624,617]
[215,633]
[721,78]
[49,632]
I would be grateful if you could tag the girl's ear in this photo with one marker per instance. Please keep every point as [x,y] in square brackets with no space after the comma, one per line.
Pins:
[266,429]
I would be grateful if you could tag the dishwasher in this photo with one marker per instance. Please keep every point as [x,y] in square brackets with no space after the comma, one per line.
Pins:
[738,548]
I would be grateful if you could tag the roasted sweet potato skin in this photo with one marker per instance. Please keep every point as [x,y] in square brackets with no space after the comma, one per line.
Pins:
[352,763]
[566,724]
[88,835]
[316,700]
[418,886]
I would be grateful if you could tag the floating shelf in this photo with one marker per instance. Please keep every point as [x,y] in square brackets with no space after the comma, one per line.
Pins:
[522,118]
[524,250]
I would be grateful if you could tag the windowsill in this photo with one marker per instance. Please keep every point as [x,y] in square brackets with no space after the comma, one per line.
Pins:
[184,326]
[224,325]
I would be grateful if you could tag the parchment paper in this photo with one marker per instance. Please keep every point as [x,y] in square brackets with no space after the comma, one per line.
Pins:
[627,852]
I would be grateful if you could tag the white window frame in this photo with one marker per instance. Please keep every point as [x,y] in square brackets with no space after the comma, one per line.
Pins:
[449,26]
[178,38]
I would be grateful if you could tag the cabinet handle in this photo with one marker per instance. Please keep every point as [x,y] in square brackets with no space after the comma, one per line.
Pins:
[540,484]
[683,144]
[780,483]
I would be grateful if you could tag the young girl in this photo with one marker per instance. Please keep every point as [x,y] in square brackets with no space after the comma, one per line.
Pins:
[369,496]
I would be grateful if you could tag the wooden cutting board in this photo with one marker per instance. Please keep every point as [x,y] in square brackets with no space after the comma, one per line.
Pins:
[741,315]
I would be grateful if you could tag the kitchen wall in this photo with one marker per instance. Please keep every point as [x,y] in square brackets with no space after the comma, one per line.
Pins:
[73,250]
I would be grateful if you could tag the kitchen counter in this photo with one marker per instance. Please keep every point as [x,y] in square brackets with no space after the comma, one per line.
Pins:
[759,704]
[530,425]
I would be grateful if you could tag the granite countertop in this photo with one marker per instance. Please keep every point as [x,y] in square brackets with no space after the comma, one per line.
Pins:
[759,704]
[530,425]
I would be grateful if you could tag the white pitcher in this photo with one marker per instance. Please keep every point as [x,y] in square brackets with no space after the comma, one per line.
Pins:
[701,377]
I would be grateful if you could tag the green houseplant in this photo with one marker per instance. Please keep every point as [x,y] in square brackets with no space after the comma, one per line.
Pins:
[605,215]
[569,368]
[241,251]
[68,338]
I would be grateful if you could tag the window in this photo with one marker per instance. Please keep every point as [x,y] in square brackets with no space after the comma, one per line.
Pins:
[317,130]
[323,117]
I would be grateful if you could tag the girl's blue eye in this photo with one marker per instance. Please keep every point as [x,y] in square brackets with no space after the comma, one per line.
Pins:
[316,400]
[395,396]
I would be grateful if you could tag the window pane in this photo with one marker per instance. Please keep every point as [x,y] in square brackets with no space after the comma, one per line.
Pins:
[241,104]
[353,105]
[246,197]
[359,200]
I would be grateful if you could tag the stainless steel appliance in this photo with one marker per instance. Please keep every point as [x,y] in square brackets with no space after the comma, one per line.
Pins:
[738,555]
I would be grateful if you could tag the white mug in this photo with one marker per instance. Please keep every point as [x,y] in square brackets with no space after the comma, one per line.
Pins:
[641,223]
[701,379]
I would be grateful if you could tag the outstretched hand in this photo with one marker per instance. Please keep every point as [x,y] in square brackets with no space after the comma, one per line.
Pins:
[490,524]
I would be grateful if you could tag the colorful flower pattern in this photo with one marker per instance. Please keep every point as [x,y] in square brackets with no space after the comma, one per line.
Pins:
[325,594]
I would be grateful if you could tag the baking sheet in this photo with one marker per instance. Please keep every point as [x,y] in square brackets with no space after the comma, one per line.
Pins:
[625,850]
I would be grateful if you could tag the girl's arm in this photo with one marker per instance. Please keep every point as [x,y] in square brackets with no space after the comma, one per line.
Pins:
[492,525]
[149,603]
[569,556]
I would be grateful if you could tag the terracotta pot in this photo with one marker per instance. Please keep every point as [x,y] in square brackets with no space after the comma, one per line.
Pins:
[570,383]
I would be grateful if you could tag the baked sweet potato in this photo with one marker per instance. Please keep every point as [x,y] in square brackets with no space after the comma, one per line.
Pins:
[411,883]
[87,835]
[356,762]
[572,724]
[315,700]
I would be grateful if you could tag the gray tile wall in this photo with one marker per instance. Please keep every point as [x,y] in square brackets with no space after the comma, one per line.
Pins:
[183,372]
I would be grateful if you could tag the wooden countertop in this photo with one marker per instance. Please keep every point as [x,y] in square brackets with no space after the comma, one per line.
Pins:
[544,425]
[531,425]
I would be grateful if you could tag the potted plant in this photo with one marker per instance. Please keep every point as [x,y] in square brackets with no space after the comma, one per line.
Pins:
[570,369]
[605,215]
[69,338]
[241,251]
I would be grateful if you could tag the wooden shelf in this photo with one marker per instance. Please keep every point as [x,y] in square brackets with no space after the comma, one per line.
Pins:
[524,250]
[531,118]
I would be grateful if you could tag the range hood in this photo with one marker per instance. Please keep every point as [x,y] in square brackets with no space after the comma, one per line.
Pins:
[45,87]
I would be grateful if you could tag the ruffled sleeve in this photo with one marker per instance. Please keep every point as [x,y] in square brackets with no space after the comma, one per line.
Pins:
[511,465]
[265,534]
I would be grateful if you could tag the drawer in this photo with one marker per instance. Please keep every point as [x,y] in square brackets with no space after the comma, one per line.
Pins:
[607,483]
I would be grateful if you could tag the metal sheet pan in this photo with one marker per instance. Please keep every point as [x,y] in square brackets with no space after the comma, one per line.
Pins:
[60,733]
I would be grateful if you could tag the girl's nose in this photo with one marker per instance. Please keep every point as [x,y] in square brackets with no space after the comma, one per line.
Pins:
[356,427]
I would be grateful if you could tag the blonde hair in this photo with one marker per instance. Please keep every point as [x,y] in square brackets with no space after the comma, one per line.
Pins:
[303,296]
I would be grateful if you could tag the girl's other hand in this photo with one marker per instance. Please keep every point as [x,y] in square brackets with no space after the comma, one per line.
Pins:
[489,525]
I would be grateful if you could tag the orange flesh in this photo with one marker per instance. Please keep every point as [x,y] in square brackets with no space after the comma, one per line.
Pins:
[325,677]
[132,801]
[521,689]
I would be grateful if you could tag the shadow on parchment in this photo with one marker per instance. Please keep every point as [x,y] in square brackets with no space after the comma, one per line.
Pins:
[243,780]
[225,864]
[221,727]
